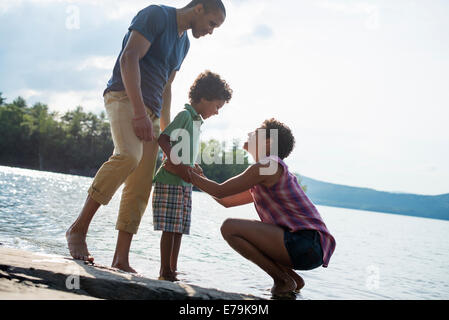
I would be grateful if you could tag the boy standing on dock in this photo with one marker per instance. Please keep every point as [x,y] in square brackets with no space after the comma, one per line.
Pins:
[172,195]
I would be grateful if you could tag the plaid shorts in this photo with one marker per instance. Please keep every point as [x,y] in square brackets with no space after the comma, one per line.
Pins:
[172,206]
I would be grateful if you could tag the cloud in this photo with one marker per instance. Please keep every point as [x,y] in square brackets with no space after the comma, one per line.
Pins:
[370,12]
[368,108]
[97,62]
[43,54]
[257,34]
[262,31]
[6,5]
[111,9]
[62,101]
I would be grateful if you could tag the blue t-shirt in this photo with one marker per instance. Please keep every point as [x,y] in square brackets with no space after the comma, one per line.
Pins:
[167,52]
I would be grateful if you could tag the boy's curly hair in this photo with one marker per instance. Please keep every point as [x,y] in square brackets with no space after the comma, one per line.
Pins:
[286,140]
[209,86]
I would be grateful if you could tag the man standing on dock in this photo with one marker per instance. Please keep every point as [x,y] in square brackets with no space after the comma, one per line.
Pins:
[137,101]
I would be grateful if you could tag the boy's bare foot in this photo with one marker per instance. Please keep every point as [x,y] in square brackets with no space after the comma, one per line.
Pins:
[168,276]
[177,273]
[77,245]
[284,286]
[123,267]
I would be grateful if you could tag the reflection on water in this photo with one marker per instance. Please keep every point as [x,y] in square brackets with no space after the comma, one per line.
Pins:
[378,256]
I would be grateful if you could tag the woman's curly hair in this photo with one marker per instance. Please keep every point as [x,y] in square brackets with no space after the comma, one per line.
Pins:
[209,86]
[286,140]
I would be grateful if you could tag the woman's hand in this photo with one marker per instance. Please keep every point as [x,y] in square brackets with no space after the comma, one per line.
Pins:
[195,176]
[198,170]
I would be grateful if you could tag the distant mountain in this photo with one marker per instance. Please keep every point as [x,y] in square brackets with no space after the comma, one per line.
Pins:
[335,195]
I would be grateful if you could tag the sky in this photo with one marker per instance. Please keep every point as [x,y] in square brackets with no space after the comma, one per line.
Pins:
[364,85]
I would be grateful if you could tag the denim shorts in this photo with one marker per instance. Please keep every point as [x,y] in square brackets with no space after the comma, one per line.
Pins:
[304,249]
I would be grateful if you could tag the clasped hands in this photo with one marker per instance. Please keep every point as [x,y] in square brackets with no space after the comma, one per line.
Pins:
[183,171]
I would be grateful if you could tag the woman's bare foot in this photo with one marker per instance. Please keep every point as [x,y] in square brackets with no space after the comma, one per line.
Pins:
[77,245]
[283,286]
[298,279]
[123,267]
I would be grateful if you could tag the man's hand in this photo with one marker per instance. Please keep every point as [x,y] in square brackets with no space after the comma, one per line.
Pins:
[135,49]
[143,128]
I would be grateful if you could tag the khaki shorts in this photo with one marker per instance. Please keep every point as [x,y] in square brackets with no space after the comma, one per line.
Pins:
[132,162]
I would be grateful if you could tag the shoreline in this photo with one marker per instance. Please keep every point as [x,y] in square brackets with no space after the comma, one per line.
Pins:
[347,197]
[26,275]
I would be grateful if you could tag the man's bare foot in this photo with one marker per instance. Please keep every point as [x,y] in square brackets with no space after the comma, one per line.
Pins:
[123,267]
[77,245]
[284,286]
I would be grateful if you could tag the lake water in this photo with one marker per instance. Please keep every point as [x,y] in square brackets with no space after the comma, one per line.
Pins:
[378,256]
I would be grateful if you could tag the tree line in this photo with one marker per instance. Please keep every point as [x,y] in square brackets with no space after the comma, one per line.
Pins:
[78,142]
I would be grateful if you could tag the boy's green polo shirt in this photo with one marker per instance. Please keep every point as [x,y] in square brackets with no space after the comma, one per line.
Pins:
[191,121]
